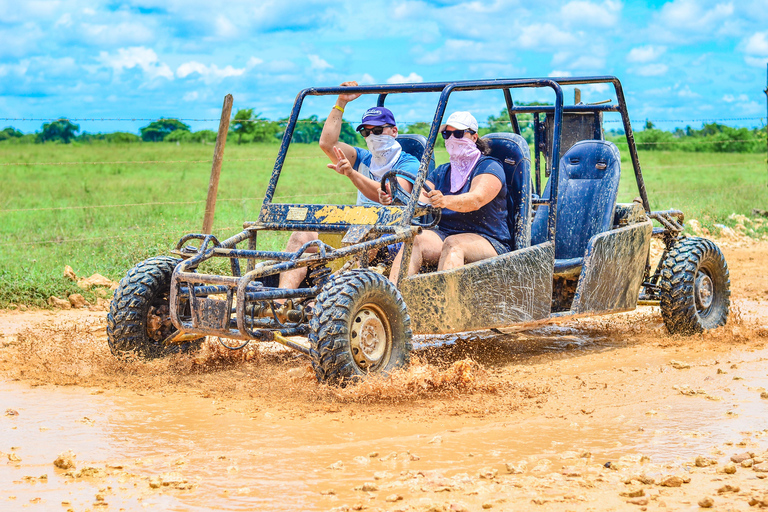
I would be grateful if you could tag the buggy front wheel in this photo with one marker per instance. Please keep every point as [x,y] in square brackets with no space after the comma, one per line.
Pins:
[360,326]
[695,287]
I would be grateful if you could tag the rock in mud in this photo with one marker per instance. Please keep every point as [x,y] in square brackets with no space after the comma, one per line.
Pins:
[363,461]
[458,507]
[77,301]
[729,468]
[65,460]
[59,303]
[11,412]
[369,487]
[638,493]
[488,473]
[338,465]
[740,457]
[487,505]
[728,488]
[671,481]
[12,457]
[706,502]
[515,469]
[747,463]
[764,394]
[95,280]
[761,468]
[393,498]
[679,365]
[69,273]
[702,462]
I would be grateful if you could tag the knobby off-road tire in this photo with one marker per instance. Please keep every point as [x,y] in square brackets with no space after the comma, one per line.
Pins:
[143,291]
[360,326]
[695,287]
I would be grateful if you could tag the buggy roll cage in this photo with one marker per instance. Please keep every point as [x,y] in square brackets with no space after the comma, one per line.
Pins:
[446,89]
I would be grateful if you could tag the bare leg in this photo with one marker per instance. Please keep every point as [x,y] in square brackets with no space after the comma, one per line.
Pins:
[292,278]
[426,249]
[464,248]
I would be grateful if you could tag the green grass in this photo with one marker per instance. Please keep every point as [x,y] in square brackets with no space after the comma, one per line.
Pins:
[38,241]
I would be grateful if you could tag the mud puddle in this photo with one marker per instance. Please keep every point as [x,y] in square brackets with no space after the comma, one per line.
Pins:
[516,421]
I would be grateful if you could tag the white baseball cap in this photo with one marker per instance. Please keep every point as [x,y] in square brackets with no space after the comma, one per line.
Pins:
[462,121]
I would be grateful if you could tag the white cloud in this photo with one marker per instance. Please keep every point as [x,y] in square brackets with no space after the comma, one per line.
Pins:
[729,98]
[686,92]
[684,21]
[456,49]
[64,21]
[650,70]
[136,56]
[225,28]
[557,73]
[191,96]
[208,73]
[645,53]
[756,49]
[121,33]
[581,13]
[413,78]
[317,63]
[253,62]
[366,79]
[757,44]
[545,36]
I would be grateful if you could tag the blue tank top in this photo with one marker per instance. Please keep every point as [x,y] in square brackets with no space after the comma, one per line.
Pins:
[489,220]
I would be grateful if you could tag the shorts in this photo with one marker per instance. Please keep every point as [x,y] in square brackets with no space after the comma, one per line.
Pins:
[498,246]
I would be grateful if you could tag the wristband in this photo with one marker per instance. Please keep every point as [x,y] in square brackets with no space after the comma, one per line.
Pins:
[339,108]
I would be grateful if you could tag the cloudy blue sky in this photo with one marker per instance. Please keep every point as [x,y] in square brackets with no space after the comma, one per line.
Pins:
[679,59]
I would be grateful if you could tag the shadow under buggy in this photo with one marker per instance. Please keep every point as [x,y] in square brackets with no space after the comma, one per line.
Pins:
[576,253]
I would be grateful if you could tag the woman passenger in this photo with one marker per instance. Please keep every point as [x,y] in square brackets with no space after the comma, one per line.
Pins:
[471,190]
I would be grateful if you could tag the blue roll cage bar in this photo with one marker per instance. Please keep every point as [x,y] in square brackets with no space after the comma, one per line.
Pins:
[446,89]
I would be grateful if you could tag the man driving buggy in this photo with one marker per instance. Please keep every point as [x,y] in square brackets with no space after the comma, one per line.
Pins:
[363,167]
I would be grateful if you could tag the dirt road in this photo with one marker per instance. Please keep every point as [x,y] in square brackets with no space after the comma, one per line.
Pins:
[602,414]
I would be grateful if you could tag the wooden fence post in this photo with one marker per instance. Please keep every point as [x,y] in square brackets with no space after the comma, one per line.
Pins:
[218,157]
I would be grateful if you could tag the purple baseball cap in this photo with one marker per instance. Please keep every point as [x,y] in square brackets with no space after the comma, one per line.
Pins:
[377,116]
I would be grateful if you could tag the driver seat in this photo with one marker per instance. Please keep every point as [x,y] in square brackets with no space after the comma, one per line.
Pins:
[514,154]
[415,145]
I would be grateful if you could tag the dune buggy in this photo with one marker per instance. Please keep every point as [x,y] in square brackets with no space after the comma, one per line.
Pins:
[576,253]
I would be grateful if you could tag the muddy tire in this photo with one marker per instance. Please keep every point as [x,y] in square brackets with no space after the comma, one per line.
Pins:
[138,318]
[360,326]
[695,287]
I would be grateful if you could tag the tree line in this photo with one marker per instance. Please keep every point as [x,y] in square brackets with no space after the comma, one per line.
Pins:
[248,127]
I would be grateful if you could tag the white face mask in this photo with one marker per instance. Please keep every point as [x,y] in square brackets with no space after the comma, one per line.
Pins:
[385,151]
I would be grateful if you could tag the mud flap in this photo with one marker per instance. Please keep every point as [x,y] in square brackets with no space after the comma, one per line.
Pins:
[497,292]
[613,269]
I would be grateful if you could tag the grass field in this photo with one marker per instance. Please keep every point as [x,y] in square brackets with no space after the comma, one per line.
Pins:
[102,208]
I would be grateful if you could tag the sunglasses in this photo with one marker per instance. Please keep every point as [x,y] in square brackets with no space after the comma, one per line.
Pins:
[459,134]
[376,130]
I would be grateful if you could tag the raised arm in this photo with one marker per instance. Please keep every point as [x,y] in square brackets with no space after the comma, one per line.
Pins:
[329,138]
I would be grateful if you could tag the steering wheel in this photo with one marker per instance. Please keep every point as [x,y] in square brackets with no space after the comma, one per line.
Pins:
[400,197]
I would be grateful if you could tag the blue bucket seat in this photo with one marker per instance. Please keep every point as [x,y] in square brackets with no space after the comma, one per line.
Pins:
[589,182]
[514,154]
[415,145]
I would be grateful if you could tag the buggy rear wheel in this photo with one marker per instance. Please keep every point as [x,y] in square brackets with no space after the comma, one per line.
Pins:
[139,316]
[360,326]
[695,287]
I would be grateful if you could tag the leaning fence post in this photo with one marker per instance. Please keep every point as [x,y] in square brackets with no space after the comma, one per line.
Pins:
[218,157]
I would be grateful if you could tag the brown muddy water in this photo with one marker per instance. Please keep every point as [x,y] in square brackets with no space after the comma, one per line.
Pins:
[480,421]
